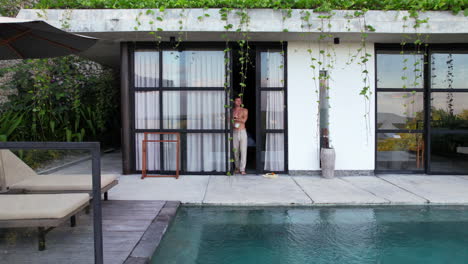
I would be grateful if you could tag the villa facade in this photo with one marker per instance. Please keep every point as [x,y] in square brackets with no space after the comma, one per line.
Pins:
[396,95]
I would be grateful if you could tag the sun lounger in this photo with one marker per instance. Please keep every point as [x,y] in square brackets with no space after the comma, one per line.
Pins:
[19,177]
[44,211]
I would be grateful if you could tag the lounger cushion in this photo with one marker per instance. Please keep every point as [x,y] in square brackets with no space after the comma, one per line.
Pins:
[56,182]
[40,206]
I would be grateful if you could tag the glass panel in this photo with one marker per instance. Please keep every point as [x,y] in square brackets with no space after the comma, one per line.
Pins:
[147,110]
[273,152]
[194,110]
[449,71]
[272,69]
[193,68]
[152,154]
[449,110]
[205,110]
[206,152]
[324,106]
[272,109]
[400,70]
[170,152]
[400,151]
[173,110]
[449,153]
[146,68]
[400,110]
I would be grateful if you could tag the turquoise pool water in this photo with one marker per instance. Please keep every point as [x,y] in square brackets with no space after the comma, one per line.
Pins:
[397,235]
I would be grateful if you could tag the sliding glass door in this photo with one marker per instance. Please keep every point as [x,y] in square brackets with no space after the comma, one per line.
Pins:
[181,91]
[448,111]
[271,111]
[422,109]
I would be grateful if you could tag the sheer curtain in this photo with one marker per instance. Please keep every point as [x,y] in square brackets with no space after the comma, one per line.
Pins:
[205,110]
[152,156]
[274,142]
[147,110]
[193,68]
[146,68]
[146,105]
[274,154]
[272,70]
[196,109]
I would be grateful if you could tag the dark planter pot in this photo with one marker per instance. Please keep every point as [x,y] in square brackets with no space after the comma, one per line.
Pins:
[327,156]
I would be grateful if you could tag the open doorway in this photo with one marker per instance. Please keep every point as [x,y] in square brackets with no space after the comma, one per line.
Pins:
[249,101]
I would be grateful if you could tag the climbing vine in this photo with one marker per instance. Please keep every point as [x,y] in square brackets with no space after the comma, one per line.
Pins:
[321,60]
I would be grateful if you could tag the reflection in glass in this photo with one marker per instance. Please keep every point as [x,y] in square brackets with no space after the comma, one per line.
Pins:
[146,68]
[449,110]
[193,110]
[400,70]
[193,68]
[206,152]
[400,151]
[146,110]
[400,110]
[449,153]
[272,109]
[324,107]
[449,71]
[272,69]
[273,152]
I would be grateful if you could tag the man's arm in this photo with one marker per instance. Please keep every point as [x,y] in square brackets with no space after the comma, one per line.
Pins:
[245,116]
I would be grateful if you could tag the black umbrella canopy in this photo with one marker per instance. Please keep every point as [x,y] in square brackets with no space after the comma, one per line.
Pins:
[23,39]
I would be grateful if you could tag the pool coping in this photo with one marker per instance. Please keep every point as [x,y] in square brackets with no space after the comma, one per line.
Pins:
[144,249]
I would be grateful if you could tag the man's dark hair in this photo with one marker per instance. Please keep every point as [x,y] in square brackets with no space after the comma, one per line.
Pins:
[237,97]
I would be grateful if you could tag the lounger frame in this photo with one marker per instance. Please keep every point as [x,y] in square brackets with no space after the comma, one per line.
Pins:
[44,225]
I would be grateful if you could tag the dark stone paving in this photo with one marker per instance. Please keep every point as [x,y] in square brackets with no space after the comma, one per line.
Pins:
[127,225]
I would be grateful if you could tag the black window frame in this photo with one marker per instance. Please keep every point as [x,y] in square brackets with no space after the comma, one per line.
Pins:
[427,131]
[164,46]
[160,48]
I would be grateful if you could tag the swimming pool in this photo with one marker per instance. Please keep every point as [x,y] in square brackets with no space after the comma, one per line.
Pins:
[235,235]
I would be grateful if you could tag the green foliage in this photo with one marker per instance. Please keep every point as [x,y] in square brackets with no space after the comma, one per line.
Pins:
[11,7]
[61,99]
[320,5]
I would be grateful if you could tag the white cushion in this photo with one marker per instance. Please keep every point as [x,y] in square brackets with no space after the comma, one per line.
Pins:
[40,206]
[56,182]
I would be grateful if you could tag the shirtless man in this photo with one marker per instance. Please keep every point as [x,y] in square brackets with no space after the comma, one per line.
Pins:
[240,116]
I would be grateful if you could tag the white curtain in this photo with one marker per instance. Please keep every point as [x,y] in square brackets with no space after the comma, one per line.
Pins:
[146,69]
[147,110]
[205,110]
[272,69]
[172,105]
[206,152]
[152,158]
[274,154]
[170,151]
[183,109]
[193,68]
[274,104]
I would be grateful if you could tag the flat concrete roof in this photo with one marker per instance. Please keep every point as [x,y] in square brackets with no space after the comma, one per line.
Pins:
[118,25]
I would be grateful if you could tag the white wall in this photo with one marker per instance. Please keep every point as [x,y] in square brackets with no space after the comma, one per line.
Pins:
[354,144]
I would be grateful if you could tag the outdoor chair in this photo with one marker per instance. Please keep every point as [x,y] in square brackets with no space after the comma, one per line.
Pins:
[44,211]
[20,178]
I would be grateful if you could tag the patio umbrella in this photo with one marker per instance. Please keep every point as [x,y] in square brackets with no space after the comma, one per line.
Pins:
[22,39]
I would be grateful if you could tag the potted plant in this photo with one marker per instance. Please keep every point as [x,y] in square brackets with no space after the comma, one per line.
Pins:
[327,155]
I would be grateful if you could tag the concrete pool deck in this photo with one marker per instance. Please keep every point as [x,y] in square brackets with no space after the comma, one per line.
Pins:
[285,190]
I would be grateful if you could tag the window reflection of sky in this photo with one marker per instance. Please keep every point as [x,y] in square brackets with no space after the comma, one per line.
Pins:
[390,70]
[440,64]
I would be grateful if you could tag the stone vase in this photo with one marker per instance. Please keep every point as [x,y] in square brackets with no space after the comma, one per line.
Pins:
[327,156]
